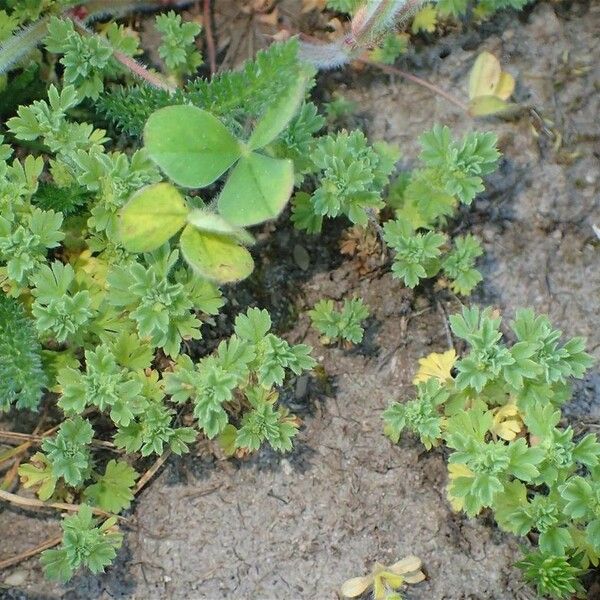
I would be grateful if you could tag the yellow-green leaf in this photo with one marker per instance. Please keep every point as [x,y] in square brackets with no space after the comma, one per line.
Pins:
[214,223]
[38,472]
[151,217]
[279,114]
[484,76]
[506,86]
[226,440]
[483,106]
[425,19]
[216,257]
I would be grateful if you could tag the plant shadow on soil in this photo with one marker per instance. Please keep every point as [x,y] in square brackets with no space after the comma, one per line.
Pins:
[297,526]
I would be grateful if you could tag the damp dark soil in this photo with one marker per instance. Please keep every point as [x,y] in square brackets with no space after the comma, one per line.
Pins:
[297,526]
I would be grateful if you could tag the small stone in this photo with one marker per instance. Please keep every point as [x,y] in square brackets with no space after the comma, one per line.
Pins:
[301,387]
[16,579]
[301,257]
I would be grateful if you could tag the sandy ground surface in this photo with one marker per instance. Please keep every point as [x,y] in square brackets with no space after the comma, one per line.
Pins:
[296,527]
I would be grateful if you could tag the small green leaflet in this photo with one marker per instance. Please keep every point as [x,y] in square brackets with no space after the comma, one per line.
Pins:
[113,491]
[152,216]
[215,257]
[257,189]
[192,147]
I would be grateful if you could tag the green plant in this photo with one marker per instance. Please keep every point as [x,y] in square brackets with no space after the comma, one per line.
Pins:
[499,416]
[345,324]
[194,149]
[351,176]
[22,377]
[85,543]
[102,308]
[244,369]
[451,175]
[177,47]
[111,254]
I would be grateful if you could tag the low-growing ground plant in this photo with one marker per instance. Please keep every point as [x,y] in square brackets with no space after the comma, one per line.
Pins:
[113,249]
[498,410]
[336,325]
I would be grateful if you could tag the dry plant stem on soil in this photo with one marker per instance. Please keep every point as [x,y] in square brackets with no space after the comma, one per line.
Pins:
[210,41]
[410,77]
[400,73]
[38,504]
[36,439]
[54,541]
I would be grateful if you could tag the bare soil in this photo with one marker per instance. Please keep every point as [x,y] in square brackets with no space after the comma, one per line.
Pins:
[297,526]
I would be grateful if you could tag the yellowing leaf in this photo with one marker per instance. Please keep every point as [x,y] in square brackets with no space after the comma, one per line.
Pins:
[436,365]
[507,422]
[383,579]
[456,470]
[383,582]
[406,565]
[482,106]
[352,588]
[489,87]
[484,76]
[506,86]
[226,440]
[215,257]
[425,20]
[151,217]
[38,472]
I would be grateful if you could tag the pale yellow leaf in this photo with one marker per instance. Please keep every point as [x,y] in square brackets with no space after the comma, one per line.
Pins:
[507,422]
[406,565]
[456,470]
[483,106]
[484,76]
[352,588]
[415,577]
[437,365]
[505,87]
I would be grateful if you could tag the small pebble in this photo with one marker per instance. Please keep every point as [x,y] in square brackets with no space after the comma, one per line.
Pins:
[301,257]
[16,579]
[301,387]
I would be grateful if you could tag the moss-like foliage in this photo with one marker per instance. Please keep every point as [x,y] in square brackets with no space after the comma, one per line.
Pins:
[22,378]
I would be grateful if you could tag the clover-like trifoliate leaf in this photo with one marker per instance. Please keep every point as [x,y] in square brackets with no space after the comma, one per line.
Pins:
[257,189]
[190,145]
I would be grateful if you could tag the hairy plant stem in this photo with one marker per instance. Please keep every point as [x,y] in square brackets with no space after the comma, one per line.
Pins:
[133,66]
[369,23]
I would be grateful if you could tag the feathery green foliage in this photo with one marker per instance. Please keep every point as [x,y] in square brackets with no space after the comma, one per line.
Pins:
[234,96]
[22,378]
